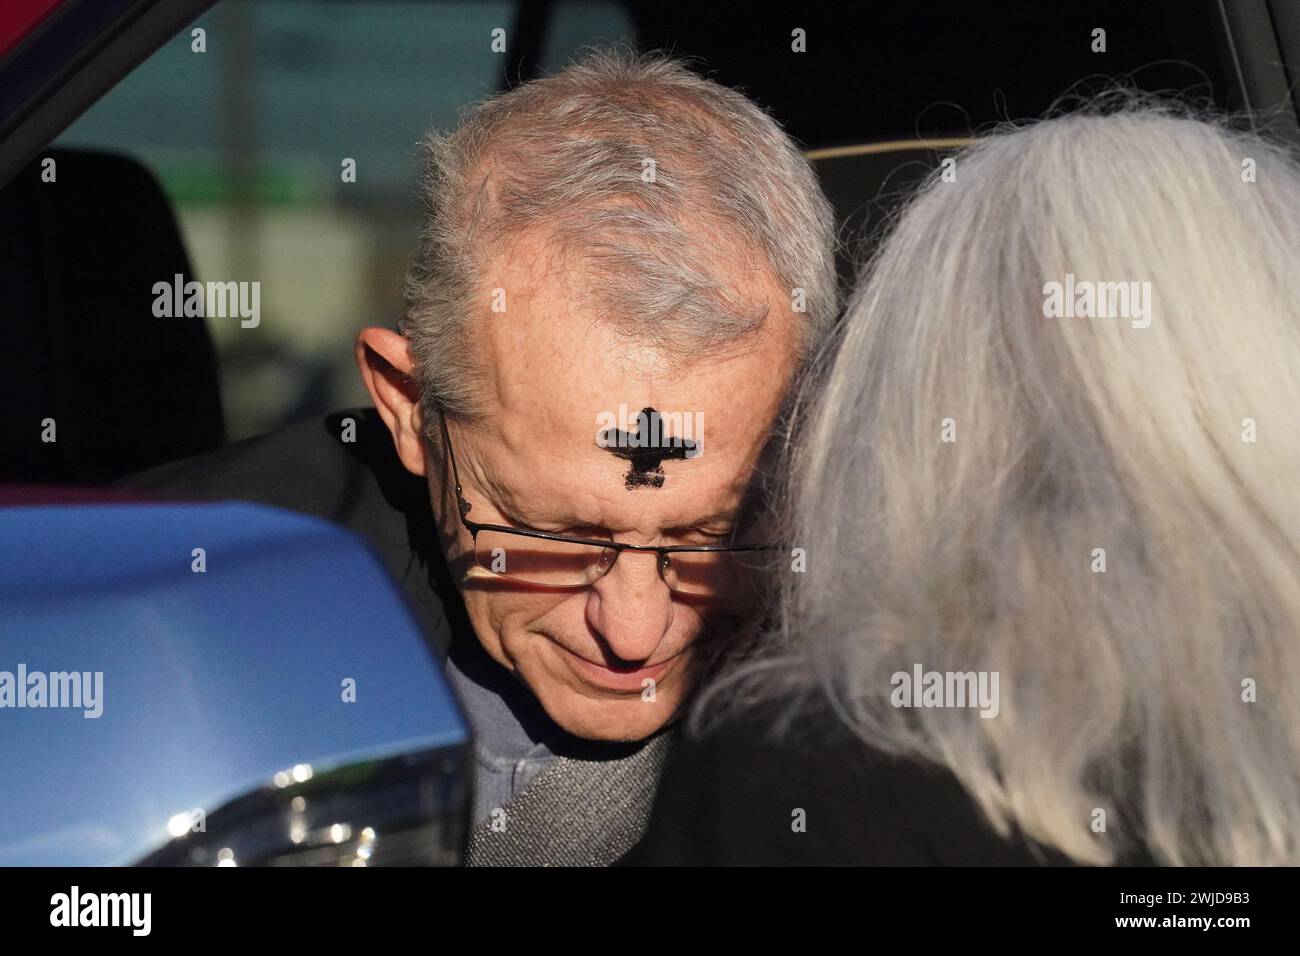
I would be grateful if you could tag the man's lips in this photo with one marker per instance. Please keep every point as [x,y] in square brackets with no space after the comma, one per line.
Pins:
[618,677]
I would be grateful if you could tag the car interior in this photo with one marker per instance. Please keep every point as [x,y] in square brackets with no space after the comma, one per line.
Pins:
[152,131]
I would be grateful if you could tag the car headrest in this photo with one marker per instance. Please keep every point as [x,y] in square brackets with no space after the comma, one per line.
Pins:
[79,256]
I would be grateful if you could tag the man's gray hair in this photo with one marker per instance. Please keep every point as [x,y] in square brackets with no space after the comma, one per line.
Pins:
[674,197]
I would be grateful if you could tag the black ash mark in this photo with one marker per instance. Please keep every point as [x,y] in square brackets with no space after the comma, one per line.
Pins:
[646,452]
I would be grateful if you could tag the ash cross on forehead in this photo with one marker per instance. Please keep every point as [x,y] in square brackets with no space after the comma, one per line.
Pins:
[646,448]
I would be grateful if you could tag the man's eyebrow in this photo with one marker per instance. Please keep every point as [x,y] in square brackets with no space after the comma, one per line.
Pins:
[536,515]
[727,518]
[511,505]
[540,518]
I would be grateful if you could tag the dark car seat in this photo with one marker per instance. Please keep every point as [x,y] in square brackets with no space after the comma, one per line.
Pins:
[78,260]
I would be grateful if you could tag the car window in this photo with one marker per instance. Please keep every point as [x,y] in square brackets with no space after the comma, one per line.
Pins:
[248,126]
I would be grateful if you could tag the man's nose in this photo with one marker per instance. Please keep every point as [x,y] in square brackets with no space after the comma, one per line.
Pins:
[631,606]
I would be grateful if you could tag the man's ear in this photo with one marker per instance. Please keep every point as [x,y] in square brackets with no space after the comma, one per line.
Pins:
[386,367]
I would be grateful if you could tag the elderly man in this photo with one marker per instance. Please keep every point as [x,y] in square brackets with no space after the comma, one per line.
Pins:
[622,268]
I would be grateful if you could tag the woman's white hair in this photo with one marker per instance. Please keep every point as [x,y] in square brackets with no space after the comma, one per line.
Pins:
[1163,690]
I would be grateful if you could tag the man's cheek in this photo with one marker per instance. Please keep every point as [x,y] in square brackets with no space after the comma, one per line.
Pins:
[516,619]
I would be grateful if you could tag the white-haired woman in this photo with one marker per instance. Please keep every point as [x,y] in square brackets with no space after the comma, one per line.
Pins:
[1047,606]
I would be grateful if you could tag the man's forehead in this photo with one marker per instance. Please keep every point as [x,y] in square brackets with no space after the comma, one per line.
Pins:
[572,396]
[548,362]
[600,433]
[543,315]
[548,459]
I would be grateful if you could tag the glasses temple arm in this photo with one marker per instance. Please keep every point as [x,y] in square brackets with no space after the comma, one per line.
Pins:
[461,503]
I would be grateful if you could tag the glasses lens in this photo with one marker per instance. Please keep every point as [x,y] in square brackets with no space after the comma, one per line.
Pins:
[557,564]
[721,574]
